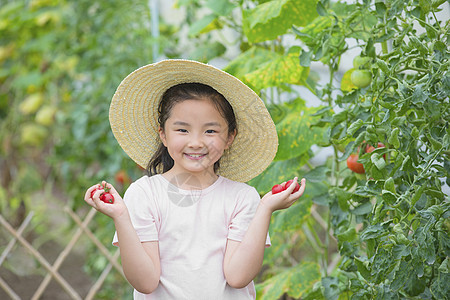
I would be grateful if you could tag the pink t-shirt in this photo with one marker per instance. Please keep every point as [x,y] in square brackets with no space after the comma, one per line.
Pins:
[192,228]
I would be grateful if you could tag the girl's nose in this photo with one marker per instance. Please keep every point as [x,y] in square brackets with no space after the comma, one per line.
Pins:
[196,141]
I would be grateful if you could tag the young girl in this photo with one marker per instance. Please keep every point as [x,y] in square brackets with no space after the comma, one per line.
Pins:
[192,229]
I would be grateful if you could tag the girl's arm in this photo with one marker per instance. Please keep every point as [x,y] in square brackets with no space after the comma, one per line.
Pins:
[243,260]
[140,261]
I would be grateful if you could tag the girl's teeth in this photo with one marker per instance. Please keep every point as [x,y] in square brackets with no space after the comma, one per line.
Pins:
[195,155]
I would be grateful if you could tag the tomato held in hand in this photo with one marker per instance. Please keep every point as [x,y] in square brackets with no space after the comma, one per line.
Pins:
[99,187]
[107,197]
[297,187]
[355,166]
[277,188]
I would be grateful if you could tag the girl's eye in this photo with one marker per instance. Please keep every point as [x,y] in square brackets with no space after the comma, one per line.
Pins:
[210,131]
[182,130]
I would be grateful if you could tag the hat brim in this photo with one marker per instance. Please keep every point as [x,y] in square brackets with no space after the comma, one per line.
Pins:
[133,115]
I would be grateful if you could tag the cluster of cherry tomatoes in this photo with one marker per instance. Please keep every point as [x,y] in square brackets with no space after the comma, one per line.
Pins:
[352,160]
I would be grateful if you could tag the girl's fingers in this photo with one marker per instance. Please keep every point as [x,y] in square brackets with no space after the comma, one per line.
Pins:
[87,195]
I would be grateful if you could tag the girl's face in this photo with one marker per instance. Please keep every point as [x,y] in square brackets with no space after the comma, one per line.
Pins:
[196,136]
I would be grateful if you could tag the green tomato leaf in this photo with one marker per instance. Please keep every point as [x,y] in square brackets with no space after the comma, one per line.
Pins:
[331,288]
[221,7]
[372,231]
[318,174]
[389,197]
[274,287]
[354,127]
[208,51]
[393,138]
[362,265]
[389,185]
[249,61]
[347,236]
[363,209]
[295,136]
[378,160]
[284,69]
[295,281]
[273,18]
[198,26]
[302,278]
[292,219]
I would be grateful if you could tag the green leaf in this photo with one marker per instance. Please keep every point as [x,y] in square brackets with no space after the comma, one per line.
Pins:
[331,288]
[389,197]
[347,236]
[221,7]
[342,196]
[250,61]
[363,209]
[284,69]
[302,279]
[389,185]
[295,281]
[318,174]
[208,51]
[378,160]
[274,287]
[383,66]
[292,219]
[435,144]
[372,231]
[362,265]
[273,18]
[393,138]
[199,25]
[321,10]
[314,28]
[354,127]
[295,136]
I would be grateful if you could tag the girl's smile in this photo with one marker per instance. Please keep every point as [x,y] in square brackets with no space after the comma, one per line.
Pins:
[196,135]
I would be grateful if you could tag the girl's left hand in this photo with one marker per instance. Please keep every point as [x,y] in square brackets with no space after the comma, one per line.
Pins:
[285,198]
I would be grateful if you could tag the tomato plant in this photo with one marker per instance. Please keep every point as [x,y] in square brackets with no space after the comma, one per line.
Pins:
[395,94]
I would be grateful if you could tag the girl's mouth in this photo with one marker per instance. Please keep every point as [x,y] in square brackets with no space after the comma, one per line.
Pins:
[195,156]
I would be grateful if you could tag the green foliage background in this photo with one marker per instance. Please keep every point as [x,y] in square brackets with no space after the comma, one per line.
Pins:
[380,235]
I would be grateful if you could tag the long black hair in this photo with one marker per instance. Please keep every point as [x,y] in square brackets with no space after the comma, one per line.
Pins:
[161,160]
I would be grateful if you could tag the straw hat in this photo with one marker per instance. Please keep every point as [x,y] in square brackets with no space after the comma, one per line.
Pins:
[133,115]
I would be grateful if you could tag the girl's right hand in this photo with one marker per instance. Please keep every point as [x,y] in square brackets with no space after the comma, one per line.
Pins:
[113,210]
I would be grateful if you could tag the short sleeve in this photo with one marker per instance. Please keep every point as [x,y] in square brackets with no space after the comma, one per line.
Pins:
[143,213]
[244,211]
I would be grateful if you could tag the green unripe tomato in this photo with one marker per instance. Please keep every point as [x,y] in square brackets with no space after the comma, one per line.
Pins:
[361,78]
[361,62]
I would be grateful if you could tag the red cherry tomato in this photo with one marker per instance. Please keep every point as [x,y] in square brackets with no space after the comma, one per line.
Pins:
[355,166]
[107,197]
[99,187]
[297,187]
[277,188]
[370,148]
